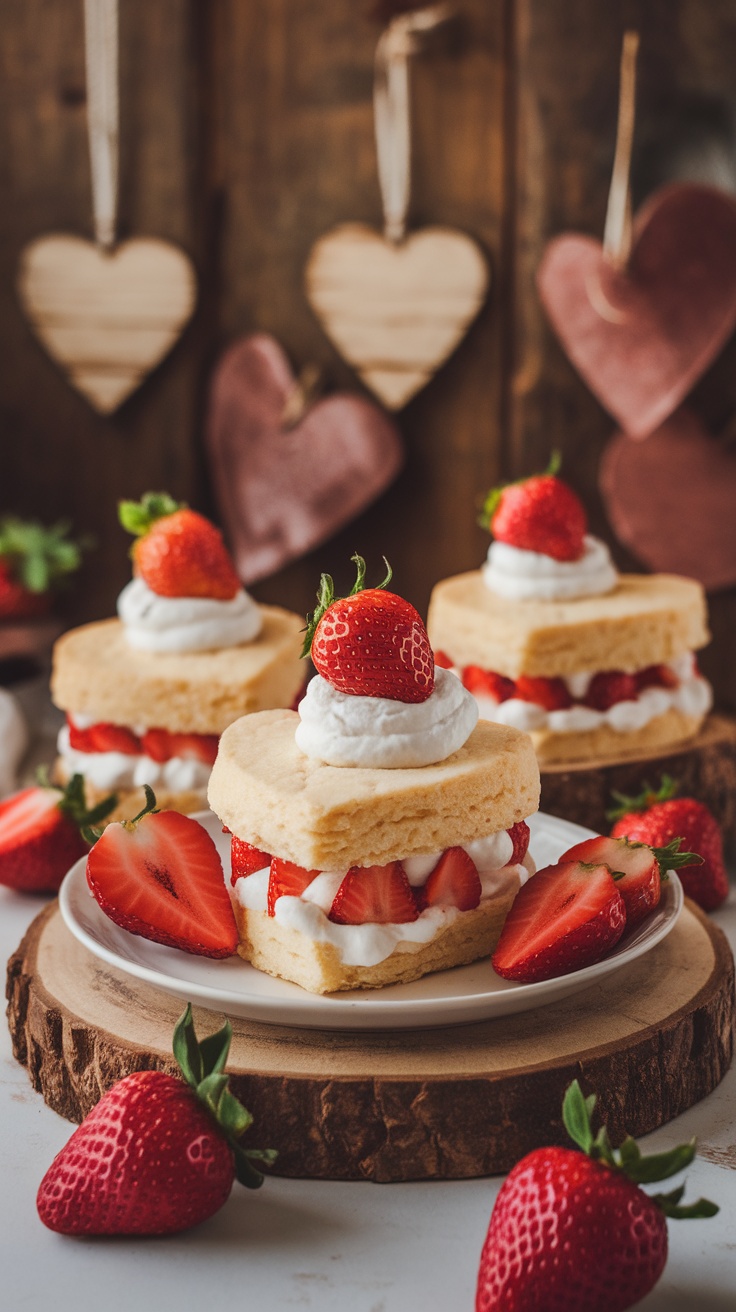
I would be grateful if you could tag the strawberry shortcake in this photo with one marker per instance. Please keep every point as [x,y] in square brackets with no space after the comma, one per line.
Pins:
[550,638]
[379,832]
[148,694]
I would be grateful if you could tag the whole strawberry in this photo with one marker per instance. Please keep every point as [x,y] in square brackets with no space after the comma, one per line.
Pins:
[538,514]
[656,817]
[371,643]
[573,1232]
[179,553]
[156,1155]
[32,561]
[40,834]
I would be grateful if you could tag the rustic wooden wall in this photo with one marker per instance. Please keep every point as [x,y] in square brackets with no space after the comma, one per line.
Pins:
[247,133]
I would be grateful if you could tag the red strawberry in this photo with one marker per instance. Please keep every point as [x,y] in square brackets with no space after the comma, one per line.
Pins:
[16,602]
[552,694]
[519,835]
[656,676]
[160,876]
[372,643]
[287,880]
[485,683]
[538,514]
[40,834]
[32,560]
[443,660]
[103,738]
[608,688]
[374,895]
[454,882]
[245,859]
[179,553]
[155,1155]
[161,745]
[636,869]
[573,1232]
[658,817]
[565,918]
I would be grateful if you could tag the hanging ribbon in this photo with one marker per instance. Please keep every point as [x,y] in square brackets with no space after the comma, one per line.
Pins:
[392,111]
[617,232]
[101,59]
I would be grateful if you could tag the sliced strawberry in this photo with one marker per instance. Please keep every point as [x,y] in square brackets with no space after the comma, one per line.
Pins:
[40,834]
[443,660]
[485,683]
[287,880]
[374,895]
[657,676]
[552,694]
[608,688]
[454,882]
[519,835]
[103,737]
[161,746]
[567,917]
[245,859]
[634,867]
[160,876]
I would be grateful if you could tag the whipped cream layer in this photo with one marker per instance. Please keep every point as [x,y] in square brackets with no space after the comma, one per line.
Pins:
[111,770]
[184,624]
[367,945]
[522,575]
[342,729]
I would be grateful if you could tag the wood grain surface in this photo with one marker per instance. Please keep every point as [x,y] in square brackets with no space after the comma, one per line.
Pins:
[434,1104]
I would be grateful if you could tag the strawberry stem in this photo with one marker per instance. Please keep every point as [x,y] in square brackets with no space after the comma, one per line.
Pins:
[38,557]
[648,797]
[326,596]
[73,803]
[139,516]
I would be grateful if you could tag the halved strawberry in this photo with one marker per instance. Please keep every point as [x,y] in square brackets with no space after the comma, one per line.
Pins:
[567,917]
[287,880]
[608,688]
[160,876]
[454,882]
[552,694]
[245,859]
[161,746]
[103,737]
[657,676]
[374,895]
[485,683]
[634,867]
[40,834]
[519,835]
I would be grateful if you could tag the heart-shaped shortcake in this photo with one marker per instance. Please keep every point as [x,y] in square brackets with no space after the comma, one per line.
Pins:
[396,312]
[642,337]
[671,500]
[108,318]
[284,490]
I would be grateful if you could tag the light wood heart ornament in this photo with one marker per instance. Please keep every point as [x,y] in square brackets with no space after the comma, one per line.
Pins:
[107,318]
[282,490]
[641,337]
[396,311]
[671,500]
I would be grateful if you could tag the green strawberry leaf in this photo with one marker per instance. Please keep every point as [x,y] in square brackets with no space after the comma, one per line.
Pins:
[576,1113]
[660,1166]
[326,596]
[139,516]
[186,1049]
[647,797]
[214,1049]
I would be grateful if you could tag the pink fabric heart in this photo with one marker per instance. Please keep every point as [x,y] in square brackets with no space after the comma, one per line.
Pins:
[641,338]
[283,491]
[672,500]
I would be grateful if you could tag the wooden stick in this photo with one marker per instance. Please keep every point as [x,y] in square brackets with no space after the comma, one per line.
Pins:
[617,232]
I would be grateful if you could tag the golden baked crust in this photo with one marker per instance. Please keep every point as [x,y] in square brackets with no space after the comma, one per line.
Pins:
[329,818]
[283,951]
[96,673]
[646,620]
[605,744]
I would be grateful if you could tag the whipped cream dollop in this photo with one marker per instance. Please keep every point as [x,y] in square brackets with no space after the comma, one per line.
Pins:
[110,770]
[344,729]
[531,576]
[183,624]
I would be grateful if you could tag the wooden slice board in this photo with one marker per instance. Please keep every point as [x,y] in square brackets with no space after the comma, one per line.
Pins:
[705,768]
[435,1104]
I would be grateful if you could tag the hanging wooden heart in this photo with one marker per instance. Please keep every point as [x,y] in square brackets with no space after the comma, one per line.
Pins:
[284,489]
[108,318]
[396,311]
[671,500]
[642,336]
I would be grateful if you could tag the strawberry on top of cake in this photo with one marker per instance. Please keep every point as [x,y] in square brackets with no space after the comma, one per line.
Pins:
[379,833]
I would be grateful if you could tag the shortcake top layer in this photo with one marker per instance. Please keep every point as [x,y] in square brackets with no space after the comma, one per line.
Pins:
[645,620]
[96,673]
[328,817]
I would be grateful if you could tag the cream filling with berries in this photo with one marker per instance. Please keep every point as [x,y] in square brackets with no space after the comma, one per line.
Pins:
[345,729]
[186,624]
[521,575]
[110,770]
[369,944]
[693,696]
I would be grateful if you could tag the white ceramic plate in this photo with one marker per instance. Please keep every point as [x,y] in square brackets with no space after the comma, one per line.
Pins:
[450,997]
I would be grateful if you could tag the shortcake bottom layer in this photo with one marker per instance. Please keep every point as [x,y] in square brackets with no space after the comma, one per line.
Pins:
[604,742]
[288,953]
[131,801]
